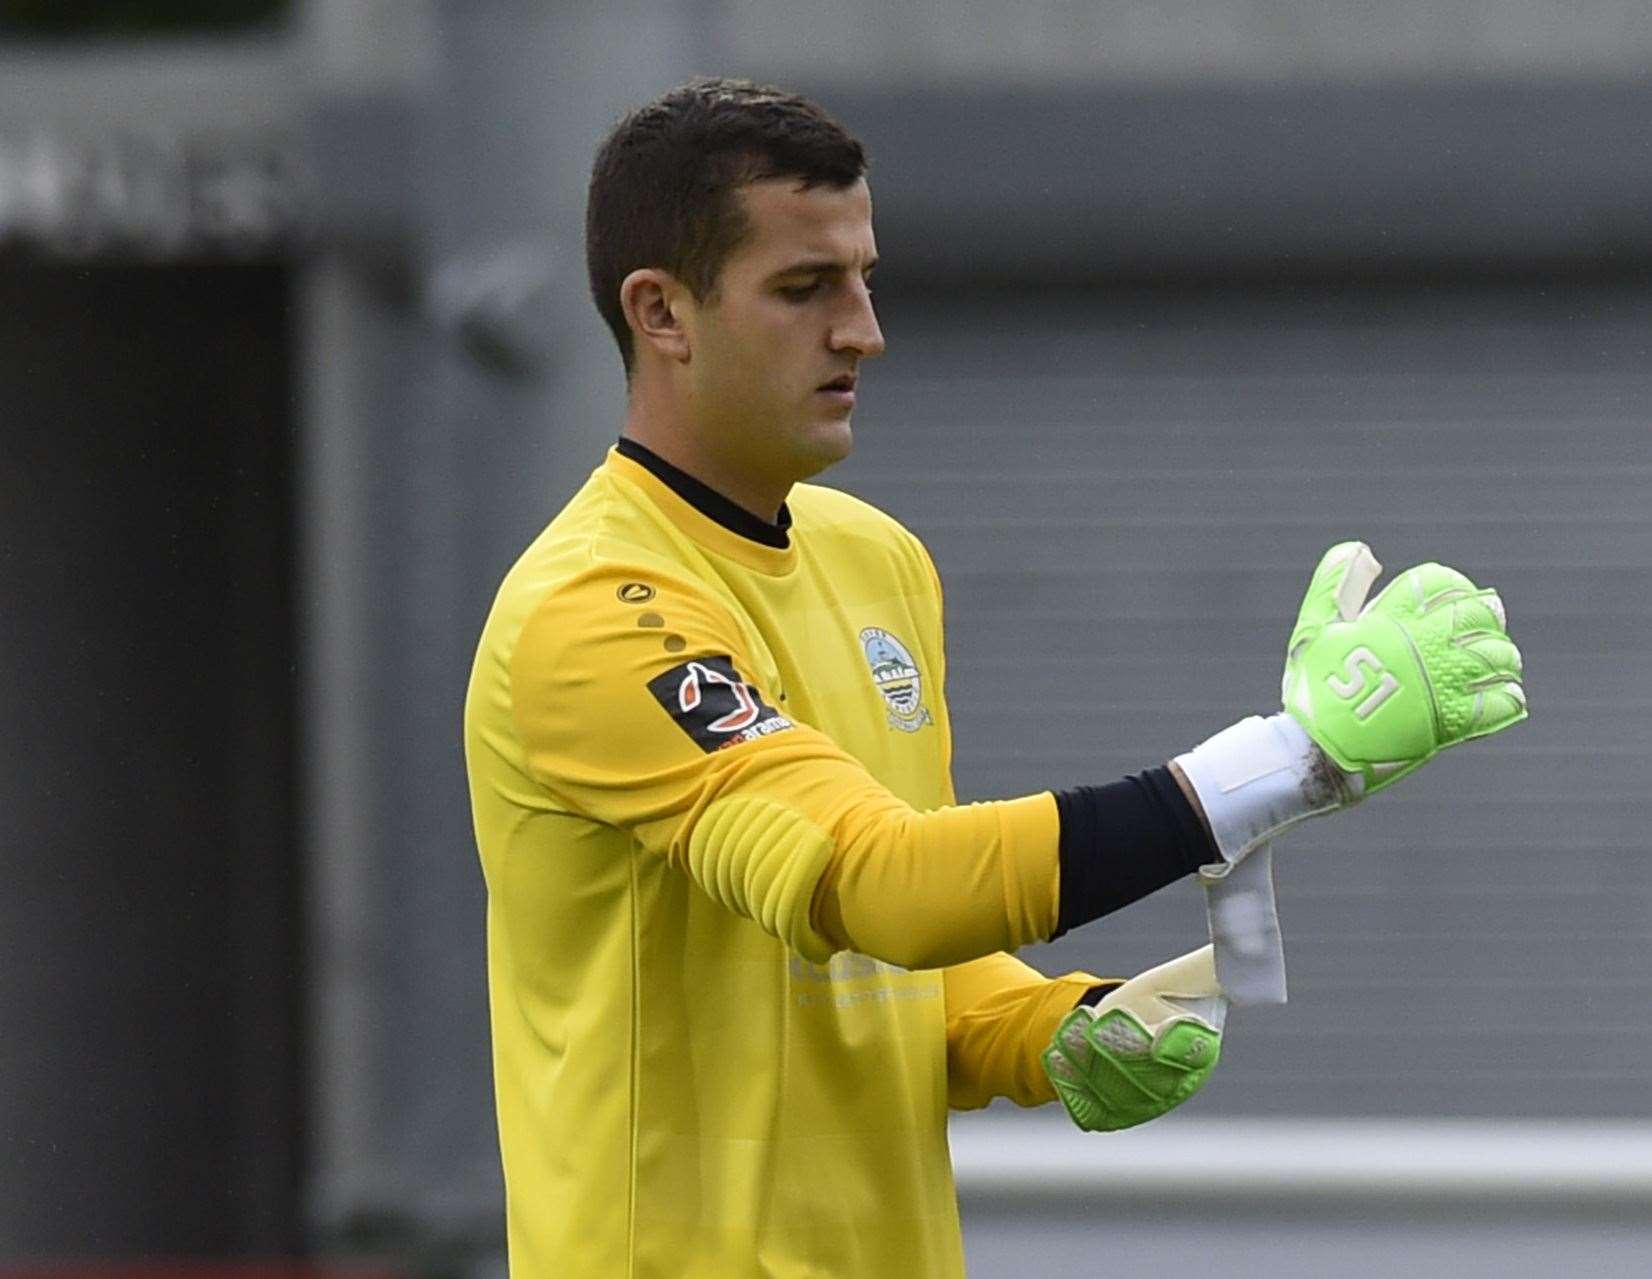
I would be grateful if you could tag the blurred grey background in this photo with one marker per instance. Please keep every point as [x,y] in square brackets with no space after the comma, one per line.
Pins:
[296,354]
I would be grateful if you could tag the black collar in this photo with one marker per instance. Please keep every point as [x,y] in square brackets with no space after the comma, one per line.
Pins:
[708,501]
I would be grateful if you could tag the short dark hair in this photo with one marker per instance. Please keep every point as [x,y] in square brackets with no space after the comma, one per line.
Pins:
[663,186]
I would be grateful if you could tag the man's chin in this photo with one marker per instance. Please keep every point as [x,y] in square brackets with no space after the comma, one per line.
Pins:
[829,444]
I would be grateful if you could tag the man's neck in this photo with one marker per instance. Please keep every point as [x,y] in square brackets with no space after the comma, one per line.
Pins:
[746,491]
[706,500]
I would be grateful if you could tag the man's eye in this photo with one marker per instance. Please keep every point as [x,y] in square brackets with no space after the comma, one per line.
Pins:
[799,292]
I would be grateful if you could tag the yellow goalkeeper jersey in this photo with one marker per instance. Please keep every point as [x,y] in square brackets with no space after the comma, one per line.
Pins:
[672,730]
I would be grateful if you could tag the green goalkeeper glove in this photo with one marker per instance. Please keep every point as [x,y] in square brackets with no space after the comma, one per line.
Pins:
[1144,1049]
[1385,687]
[1371,691]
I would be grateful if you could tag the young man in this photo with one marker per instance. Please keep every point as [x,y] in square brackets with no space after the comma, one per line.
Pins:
[745,949]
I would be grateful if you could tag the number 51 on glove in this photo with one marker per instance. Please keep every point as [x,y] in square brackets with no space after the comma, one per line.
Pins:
[1383,687]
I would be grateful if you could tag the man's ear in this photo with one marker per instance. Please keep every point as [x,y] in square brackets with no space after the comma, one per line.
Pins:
[655,305]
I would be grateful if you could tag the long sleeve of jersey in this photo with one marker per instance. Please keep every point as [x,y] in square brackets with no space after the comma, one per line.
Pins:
[1000,1016]
[651,720]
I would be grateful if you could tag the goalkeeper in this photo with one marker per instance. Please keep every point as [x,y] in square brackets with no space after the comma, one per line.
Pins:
[744,947]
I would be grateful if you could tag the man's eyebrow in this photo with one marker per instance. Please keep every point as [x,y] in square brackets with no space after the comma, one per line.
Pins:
[816,266]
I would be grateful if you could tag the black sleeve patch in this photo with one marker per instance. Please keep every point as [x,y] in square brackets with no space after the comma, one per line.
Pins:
[713,705]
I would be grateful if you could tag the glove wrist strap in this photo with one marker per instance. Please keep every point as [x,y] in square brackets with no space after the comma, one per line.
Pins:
[1259,777]
[1244,930]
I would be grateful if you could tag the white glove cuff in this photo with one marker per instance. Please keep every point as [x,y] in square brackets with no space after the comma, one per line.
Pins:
[1258,777]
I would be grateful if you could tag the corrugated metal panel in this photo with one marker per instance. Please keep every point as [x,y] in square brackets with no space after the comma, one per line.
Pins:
[1125,497]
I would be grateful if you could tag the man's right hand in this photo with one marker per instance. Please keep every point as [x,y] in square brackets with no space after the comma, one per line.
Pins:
[1144,1049]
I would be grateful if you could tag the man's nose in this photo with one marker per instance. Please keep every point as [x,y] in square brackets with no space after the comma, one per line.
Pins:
[858,331]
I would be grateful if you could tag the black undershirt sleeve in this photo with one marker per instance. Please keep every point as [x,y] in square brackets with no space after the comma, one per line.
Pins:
[1124,840]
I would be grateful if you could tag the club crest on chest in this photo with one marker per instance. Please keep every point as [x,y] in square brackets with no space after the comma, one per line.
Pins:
[897,678]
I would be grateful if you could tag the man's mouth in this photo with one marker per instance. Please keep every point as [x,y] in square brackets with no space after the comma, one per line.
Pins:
[843,382]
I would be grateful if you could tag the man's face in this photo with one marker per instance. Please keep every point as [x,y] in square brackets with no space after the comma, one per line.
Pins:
[777,347]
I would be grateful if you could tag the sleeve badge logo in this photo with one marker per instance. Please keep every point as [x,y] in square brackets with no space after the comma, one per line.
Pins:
[897,678]
[713,705]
